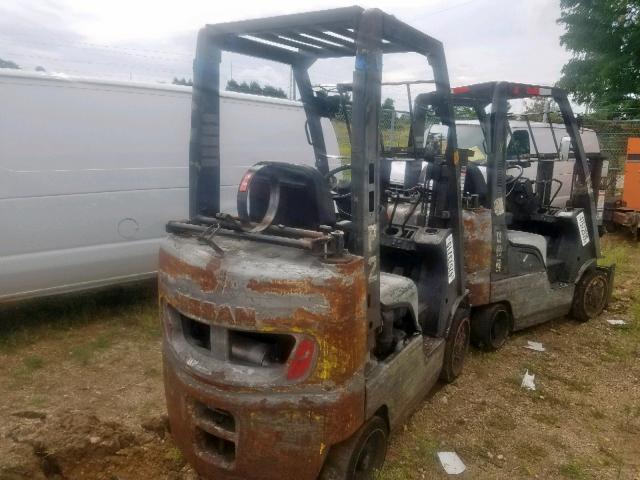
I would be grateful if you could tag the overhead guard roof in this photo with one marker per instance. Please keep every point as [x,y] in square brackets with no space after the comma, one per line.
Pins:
[313,35]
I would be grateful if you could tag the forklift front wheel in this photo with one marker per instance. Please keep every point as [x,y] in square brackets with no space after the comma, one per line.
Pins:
[491,326]
[456,347]
[361,455]
[590,296]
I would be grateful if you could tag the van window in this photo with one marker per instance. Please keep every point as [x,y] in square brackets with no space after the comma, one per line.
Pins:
[472,138]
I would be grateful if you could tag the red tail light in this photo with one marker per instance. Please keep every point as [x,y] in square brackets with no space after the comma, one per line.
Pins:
[301,360]
[457,90]
[533,91]
[244,184]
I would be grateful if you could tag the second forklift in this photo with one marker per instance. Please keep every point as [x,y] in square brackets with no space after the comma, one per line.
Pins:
[526,261]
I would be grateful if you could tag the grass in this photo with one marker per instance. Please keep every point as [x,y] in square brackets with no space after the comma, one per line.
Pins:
[133,307]
[416,453]
[174,455]
[616,254]
[33,363]
[574,469]
[530,452]
[85,352]
[574,384]
[546,418]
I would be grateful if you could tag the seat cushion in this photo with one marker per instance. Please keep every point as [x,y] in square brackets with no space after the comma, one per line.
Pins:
[534,240]
[398,291]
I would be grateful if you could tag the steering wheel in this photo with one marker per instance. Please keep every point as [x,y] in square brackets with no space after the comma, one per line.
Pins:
[513,181]
[518,176]
[330,176]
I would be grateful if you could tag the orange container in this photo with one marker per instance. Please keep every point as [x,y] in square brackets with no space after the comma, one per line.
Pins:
[631,189]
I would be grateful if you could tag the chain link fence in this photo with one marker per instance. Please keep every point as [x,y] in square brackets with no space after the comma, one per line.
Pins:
[394,128]
[613,136]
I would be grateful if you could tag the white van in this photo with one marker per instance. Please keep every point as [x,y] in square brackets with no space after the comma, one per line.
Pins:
[470,136]
[91,171]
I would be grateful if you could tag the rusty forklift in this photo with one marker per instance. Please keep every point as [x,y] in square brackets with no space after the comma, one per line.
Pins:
[299,332]
[526,261]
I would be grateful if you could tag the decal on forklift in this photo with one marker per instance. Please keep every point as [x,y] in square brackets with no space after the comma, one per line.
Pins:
[451,260]
[498,206]
[463,176]
[499,250]
[373,273]
[373,236]
[582,226]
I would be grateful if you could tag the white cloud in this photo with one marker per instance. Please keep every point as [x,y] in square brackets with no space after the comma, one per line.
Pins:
[154,41]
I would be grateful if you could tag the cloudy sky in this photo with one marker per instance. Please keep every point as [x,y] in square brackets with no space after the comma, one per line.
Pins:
[153,41]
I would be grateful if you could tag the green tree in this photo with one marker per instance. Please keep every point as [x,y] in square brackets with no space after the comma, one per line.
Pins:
[388,112]
[465,113]
[182,81]
[9,64]
[254,88]
[269,91]
[604,38]
[233,86]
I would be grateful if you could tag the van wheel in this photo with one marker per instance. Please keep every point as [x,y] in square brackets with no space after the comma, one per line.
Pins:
[590,296]
[490,326]
[360,456]
[456,347]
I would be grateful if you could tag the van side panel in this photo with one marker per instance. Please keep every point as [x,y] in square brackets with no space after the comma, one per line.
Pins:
[91,172]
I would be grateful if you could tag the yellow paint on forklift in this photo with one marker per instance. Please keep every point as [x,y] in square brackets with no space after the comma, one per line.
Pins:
[329,360]
[322,447]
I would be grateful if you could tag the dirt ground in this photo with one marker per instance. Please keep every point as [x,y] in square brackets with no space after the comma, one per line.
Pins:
[81,396]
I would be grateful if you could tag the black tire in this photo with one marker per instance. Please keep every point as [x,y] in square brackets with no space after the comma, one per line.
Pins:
[602,230]
[456,347]
[590,296]
[360,456]
[611,227]
[491,326]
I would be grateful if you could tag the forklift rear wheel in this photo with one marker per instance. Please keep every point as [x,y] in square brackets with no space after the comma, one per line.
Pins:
[360,456]
[491,326]
[456,347]
[590,296]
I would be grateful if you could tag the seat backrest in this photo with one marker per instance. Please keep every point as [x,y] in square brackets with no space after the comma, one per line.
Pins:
[304,199]
[475,184]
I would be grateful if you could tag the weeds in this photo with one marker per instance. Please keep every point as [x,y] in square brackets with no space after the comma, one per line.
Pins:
[174,455]
[575,470]
[33,363]
[84,353]
[27,322]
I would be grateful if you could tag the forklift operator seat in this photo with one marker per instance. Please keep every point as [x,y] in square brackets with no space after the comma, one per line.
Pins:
[397,291]
[476,184]
[285,194]
[531,240]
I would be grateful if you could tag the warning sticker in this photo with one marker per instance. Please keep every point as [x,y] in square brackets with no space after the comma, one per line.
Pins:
[451,260]
[582,226]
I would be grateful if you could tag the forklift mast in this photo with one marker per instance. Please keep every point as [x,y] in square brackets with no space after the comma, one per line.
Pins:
[299,40]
